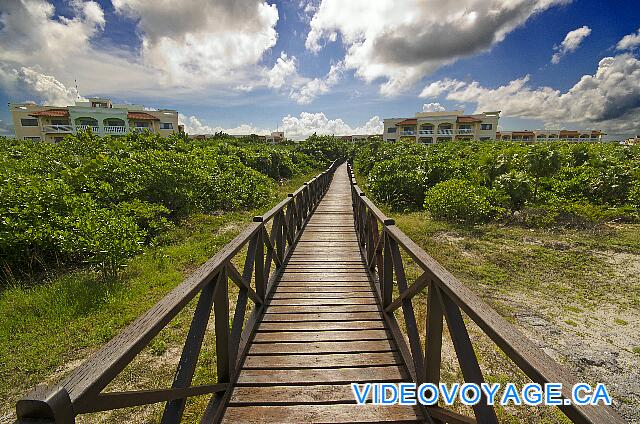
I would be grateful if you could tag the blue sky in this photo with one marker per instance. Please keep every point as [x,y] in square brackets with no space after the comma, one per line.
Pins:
[330,66]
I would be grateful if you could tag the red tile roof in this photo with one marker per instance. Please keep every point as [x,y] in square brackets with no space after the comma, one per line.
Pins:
[410,121]
[51,112]
[467,119]
[569,133]
[142,116]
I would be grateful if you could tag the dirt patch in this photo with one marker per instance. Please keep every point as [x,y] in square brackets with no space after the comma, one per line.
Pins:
[598,343]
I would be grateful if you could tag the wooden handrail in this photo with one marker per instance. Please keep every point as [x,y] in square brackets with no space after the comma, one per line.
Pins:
[380,242]
[81,391]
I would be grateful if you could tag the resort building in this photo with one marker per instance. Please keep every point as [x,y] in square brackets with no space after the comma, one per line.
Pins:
[101,116]
[431,127]
[550,135]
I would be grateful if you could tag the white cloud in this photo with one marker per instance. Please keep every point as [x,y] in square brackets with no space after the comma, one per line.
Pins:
[402,41]
[433,107]
[571,42]
[308,91]
[35,85]
[193,125]
[201,41]
[609,99]
[184,46]
[283,69]
[629,41]
[295,127]
[300,127]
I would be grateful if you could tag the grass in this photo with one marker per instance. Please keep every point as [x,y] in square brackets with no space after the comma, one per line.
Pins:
[47,328]
[564,276]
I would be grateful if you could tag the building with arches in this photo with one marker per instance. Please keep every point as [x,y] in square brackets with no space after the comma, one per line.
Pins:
[438,127]
[98,115]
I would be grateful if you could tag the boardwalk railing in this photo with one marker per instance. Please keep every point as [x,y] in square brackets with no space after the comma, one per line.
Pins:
[82,391]
[381,245]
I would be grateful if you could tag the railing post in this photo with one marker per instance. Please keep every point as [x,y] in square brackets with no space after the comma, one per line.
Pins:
[387,272]
[187,366]
[221,314]
[259,260]
[433,347]
[466,357]
[46,405]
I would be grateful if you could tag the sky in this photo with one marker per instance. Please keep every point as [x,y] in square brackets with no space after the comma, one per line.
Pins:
[330,66]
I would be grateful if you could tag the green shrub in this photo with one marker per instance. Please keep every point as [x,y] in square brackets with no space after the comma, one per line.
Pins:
[100,200]
[516,186]
[461,201]
[398,182]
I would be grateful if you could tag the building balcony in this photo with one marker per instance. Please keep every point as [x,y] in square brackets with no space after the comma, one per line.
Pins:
[94,129]
[115,129]
[57,128]
[412,132]
[445,132]
[465,130]
[425,132]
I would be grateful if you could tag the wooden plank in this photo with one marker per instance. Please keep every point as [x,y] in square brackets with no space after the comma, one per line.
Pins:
[311,278]
[323,301]
[312,285]
[321,414]
[318,336]
[314,309]
[322,347]
[323,375]
[303,294]
[321,393]
[321,316]
[328,266]
[321,325]
[292,289]
[333,360]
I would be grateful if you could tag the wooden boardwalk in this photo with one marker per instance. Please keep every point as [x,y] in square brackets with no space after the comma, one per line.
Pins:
[322,329]
[314,311]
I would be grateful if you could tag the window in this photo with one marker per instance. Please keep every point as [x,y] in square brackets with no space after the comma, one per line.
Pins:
[486,126]
[485,138]
[29,122]
[32,138]
[57,139]
[391,139]
[391,130]
[166,126]
[142,125]
[408,128]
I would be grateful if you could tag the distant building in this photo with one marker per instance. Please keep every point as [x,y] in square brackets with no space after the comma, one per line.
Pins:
[431,127]
[276,137]
[550,135]
[632,140]
[101,116]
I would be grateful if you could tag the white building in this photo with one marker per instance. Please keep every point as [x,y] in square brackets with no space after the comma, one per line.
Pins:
[431,127]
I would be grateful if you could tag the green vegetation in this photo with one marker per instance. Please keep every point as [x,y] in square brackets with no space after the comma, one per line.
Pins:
[542,185]
[98,201]
[46,327]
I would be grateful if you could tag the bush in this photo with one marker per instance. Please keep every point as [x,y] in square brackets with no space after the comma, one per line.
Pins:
[100,200]
[398,182]
[537,182]
[516,187]
[460,201]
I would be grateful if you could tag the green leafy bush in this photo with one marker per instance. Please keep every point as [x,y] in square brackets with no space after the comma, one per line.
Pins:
[461,201]
[399,182]
[543,184]
[100,200]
